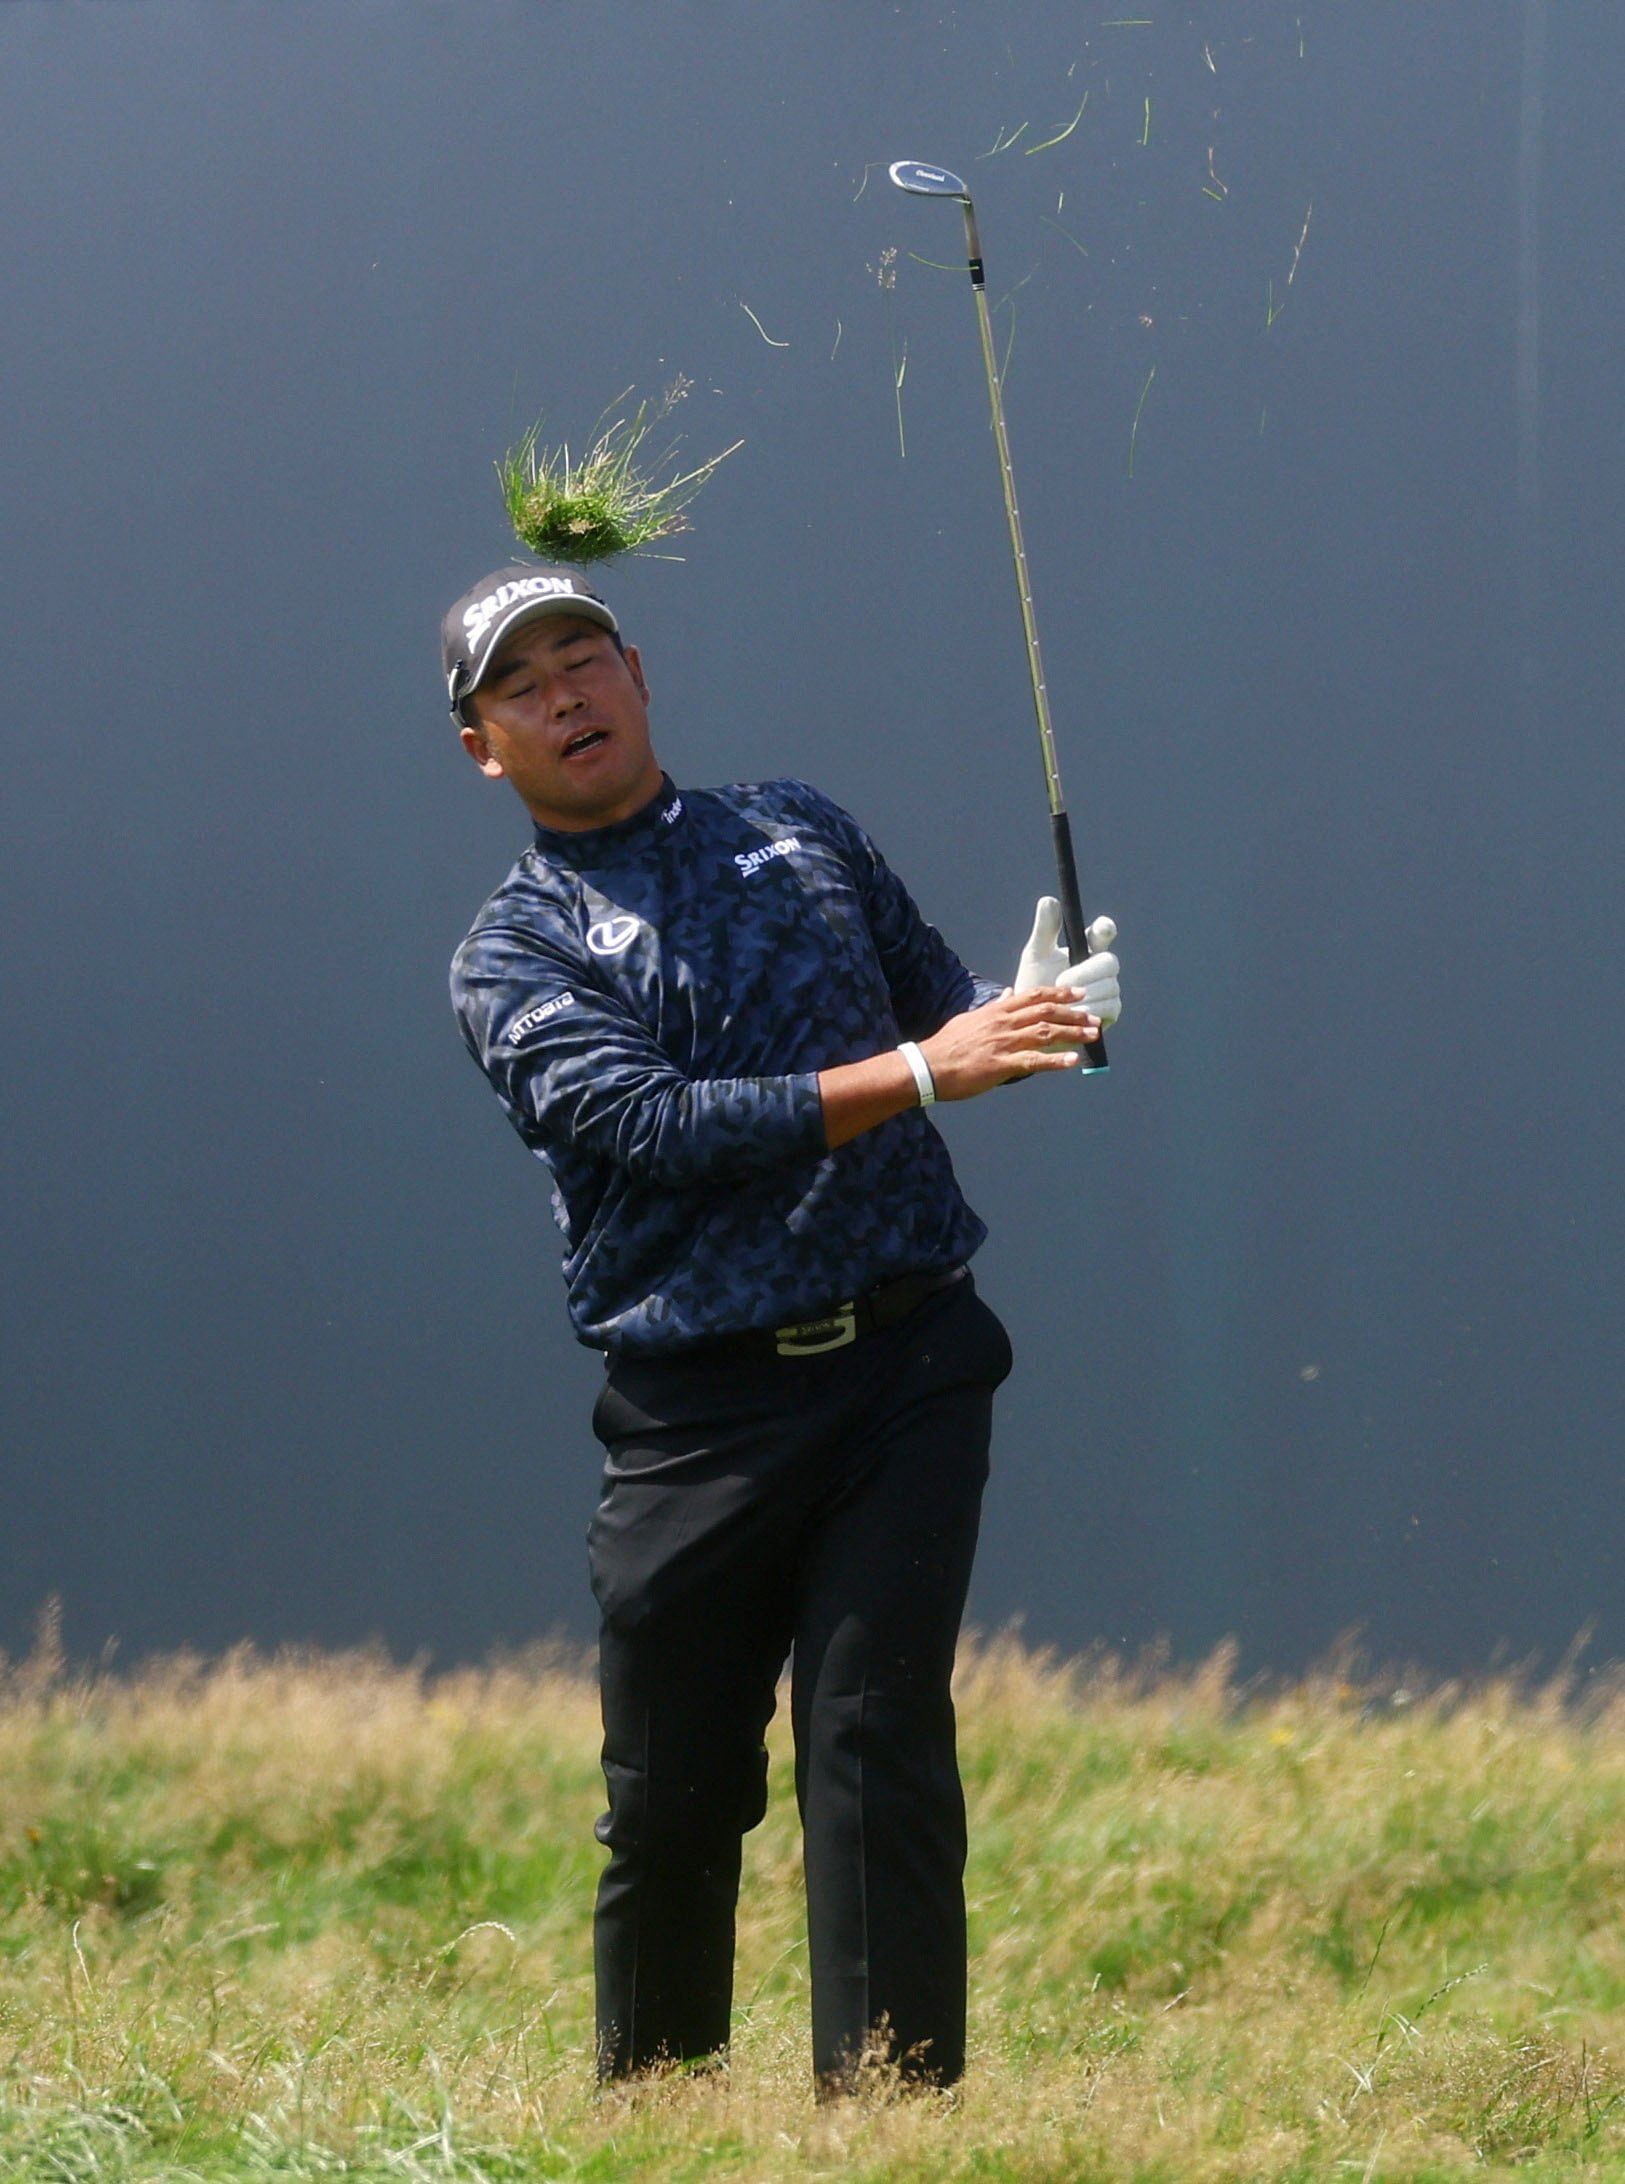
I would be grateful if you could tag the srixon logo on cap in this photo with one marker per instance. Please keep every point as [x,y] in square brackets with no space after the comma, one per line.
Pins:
[478,618]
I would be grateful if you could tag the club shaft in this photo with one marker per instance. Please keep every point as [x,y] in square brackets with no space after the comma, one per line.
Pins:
[1012,513]
[1060,825]
[1077,946]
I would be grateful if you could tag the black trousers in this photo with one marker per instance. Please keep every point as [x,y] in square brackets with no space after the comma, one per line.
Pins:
[823,1507]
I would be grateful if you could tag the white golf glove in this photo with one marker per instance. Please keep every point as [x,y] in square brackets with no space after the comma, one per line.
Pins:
[1044,963]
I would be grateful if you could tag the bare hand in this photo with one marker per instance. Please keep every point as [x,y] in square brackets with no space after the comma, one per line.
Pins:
[1007,1040]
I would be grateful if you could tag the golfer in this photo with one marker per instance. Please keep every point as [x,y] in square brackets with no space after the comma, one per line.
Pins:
[716,1016]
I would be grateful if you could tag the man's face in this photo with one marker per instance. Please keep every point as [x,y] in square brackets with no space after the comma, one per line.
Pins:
[564,716]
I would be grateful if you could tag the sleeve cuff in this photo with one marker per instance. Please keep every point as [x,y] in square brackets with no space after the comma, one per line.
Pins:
[803,1116]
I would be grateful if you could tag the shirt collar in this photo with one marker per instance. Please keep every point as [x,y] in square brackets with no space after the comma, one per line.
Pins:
[607,845]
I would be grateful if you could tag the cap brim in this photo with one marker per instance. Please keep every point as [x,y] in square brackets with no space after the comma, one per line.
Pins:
[532,610]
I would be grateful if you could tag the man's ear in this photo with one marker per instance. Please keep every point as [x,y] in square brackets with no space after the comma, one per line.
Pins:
[634,664]
[472,739]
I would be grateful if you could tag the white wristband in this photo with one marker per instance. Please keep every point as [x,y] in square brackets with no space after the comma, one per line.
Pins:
[922,1071]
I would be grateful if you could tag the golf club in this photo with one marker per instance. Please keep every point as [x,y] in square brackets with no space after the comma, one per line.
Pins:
[921,180]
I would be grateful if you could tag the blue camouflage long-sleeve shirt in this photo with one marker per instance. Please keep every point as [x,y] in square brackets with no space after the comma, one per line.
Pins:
[652,1002]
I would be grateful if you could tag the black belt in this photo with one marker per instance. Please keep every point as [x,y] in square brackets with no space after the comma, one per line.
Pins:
[832,1330]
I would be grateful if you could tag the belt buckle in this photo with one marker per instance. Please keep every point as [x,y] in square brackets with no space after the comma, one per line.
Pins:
[794,1341]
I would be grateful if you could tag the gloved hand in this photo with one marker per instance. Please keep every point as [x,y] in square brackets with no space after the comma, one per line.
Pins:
[1094,980]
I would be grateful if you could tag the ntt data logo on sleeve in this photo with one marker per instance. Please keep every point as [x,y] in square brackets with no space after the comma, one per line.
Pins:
[522,1026]
[612,936]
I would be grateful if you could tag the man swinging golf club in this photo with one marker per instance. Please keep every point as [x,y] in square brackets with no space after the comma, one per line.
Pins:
[717,1016]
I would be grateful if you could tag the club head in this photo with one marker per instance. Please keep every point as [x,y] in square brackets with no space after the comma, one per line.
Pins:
[921,180]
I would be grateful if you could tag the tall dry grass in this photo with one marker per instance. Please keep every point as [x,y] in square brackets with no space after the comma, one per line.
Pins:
[315,1916]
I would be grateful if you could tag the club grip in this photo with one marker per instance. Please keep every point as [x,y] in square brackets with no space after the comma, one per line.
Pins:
[1092,1056]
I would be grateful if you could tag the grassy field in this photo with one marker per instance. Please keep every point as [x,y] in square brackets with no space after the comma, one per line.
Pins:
[322,1917]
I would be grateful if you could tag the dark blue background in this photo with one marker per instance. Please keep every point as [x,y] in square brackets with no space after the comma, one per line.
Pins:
[1315,1298]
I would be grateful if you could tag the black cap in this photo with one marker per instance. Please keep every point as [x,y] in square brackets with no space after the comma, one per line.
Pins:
[479,621]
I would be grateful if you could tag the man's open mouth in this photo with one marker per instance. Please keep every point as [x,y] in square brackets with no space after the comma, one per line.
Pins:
[588,740]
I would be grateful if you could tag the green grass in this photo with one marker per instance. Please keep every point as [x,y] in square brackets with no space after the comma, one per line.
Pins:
[616,498]
[321,1917]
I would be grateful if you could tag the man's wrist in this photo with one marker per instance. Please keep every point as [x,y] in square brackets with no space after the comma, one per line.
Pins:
[920,1070]
[859,1096]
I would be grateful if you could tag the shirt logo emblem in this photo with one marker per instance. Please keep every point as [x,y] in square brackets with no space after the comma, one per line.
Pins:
[532,1018]
[750,861]
[612,936]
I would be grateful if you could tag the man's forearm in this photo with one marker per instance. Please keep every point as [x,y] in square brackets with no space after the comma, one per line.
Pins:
[1003,1040]
[858,1096]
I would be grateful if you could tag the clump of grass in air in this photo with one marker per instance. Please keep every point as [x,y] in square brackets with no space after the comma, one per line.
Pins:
[614,498]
